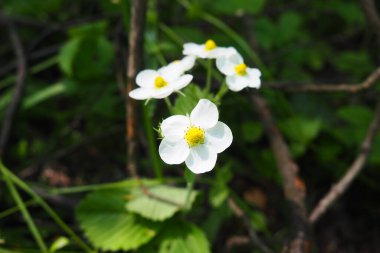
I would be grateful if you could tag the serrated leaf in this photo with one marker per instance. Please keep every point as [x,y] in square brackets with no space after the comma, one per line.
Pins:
[107,224]
[155,207]
[178,236]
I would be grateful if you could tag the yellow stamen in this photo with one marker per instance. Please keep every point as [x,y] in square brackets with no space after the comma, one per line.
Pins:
[241,69]
[210,45]
[159,82]
[195,136]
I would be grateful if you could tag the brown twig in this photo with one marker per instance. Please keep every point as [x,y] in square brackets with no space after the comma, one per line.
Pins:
[247,223]
[293,187]
[135,52]
[350,88]
[18,90]
[341,186]
[373,18]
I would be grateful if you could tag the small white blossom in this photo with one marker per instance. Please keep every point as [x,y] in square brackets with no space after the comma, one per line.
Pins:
[180,66]
[207,50]
[161,83]
[238,75]
[195,139]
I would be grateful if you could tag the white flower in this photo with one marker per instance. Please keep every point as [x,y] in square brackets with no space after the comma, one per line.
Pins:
[207,50]
[238,74]
[160,83]
[195,139]
[181,66]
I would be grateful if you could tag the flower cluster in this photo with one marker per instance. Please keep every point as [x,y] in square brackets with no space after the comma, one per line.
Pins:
[198,138]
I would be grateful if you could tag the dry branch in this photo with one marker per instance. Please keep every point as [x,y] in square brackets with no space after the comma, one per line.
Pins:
[135,54]
[343,87]
[18,89]
[372,16]
[252,233]
[341,186]
[293,191]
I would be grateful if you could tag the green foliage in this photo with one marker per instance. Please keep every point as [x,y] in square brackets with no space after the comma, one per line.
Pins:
[154,206]
[88,54]
[109,226]
[227,7]
[185,104]
[177,237]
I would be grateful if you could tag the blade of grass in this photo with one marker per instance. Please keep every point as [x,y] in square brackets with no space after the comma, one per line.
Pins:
[22,185]
[24,211]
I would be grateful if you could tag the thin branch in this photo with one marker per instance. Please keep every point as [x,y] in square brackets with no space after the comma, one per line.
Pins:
[247,223]
[343,87]
[353,171]
[135,53]
[18,91]
[294,190]
[373,18]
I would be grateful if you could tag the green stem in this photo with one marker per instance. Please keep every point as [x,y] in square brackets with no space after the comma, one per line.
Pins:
[21,184]
[21,205]
[152,143]
[15,209]
[222,91]
[209,75]
[169,105]
[190,187]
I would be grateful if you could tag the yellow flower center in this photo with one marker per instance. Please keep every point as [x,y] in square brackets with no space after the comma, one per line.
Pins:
[241,69]
[210,45]
[195,136]
[159,82]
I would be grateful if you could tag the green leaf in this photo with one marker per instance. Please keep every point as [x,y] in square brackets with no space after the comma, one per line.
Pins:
[356,115]
[251,131]
[233,7]
[178,236]
[67,55]
[108,226]
[185,104]
[259,221]
[155,207]
[44,94]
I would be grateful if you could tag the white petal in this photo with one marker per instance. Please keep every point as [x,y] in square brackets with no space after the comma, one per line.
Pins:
[146,78]
[201,159]
[173,151]
[254,72]
[219,137]
[236,82]
[141,93]
[205,114]
[188,62]
[227,62]
[182,82]
[217,52]
[171,72]
[193,49]
[162,92]
[175,125]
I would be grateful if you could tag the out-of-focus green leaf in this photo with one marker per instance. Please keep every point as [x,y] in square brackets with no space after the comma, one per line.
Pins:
[251,131]
[154,207]
[237,6]
[259,221]
[44,94]
[355,63]
[88,54]
[356,115]
[109,227]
